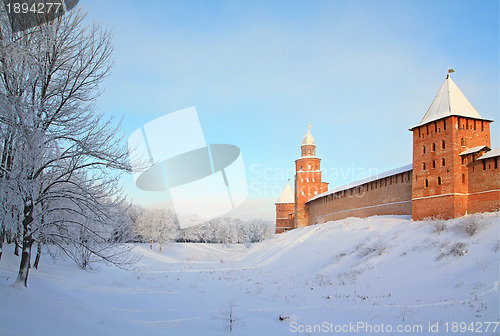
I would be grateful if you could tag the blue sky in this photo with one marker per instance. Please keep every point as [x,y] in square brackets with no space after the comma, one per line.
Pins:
[360,72]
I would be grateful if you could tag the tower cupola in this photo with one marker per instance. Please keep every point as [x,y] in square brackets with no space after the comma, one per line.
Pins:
[308,147]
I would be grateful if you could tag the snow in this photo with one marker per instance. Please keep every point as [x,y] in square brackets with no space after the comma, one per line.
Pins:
[449,101]
[385,269]
[308,139]
[492,153]
[366,180]
[473,150]
[287,195]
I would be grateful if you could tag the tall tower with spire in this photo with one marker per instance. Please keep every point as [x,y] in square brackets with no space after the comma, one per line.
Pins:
[450,131]
[307,179]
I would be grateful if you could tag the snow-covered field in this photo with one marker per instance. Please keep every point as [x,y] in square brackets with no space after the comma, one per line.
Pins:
[375,274]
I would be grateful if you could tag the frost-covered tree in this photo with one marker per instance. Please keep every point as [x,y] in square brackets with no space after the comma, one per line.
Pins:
[57,151]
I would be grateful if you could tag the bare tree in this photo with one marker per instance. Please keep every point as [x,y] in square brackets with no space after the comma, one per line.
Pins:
[229,316]
[59,179]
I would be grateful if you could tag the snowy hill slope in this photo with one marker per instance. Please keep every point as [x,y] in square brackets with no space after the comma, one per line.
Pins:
[322,279]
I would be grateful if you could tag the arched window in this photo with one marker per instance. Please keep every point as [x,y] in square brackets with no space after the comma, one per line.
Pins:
[426,183]
[439,180]
[463,178]
[462,142]
[423,165]
[442,162]
[443,144]
[423,149]
[433,164]
[433,147]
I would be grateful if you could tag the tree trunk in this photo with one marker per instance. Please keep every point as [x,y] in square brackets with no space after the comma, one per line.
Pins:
[38,253]
[2,238]
[22,276]
[16,247]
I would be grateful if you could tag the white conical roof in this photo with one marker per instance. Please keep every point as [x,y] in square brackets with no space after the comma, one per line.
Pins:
[287,195]
[449,101]
[308,139]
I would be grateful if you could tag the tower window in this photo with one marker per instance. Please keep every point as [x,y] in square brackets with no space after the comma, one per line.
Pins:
[496,163]
[433,164]
[307,179]
[423,165]
[314,180]
[482,126]
[443,144]
[315,192]
[439,180]
[462,142]
[308,166]
[303,193]
[484,164]
[423,149]
[443,162]
[435,127]
[433,147]
[463,178]
[426,183]
[444,124]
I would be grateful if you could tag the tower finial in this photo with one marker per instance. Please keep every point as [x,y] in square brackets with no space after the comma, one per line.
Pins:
[450,71]
[308,127]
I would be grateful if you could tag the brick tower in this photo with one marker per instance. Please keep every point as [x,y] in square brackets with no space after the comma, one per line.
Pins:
[307,179]
[450,129]
[285,209]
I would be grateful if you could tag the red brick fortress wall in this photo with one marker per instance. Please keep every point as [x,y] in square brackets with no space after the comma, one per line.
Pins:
[386,196]
[484,185]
